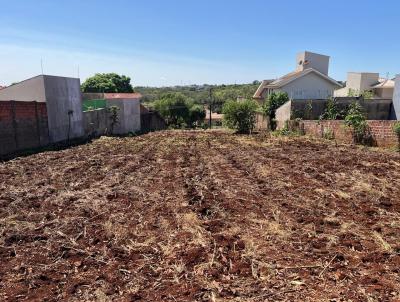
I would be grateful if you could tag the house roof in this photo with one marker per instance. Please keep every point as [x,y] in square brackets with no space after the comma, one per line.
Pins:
[260,89]
[384,83]
[122,95]
[290,77]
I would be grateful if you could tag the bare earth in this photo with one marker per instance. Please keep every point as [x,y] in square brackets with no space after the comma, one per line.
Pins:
[201,216]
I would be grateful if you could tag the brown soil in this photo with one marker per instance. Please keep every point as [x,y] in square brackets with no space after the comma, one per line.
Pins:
[201,216]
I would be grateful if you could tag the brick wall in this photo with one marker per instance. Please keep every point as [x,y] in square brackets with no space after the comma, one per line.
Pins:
[23,125]
[381,130]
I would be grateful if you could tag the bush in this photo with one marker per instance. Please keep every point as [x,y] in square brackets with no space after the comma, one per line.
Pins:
[396,129]
[240,116]
[356,119]
[273,102]
[331,111]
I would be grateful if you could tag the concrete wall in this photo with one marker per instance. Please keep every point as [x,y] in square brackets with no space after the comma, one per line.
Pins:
[313,109]
[396,98]
[64,107]
[96,122]
[26,91]
[23,125]
[262,122]
[128,115]
[283,114]
[316,61]
[310,86]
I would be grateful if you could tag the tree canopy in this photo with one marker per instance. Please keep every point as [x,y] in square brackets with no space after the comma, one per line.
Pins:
[200,94]
[179,110]
[108,83]
[272,103]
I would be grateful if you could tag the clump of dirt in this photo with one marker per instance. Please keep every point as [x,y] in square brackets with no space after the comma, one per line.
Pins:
[201,216]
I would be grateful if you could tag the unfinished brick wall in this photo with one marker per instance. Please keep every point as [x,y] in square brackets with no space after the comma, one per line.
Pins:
[382,131]
[23,125]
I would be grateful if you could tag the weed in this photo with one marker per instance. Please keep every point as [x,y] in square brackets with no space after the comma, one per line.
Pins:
[356,119]
[396,130]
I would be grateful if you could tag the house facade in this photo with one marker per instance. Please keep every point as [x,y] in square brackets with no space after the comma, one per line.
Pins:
[359,82]
[310,80]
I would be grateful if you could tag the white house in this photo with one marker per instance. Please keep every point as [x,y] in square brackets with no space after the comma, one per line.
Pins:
[309,81]
[359,82]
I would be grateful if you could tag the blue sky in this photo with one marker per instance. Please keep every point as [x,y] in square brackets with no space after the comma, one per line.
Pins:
[173,42]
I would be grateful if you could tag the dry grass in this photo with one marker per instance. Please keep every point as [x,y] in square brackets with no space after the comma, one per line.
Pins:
[201,216]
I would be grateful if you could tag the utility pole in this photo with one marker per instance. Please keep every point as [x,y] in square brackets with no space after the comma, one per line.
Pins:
[210,107]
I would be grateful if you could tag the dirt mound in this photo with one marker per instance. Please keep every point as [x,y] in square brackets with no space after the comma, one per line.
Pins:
[201,216]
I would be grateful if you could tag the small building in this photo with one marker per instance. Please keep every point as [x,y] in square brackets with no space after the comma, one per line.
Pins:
[63,100]
[310,80]
[360,82]
[216,118]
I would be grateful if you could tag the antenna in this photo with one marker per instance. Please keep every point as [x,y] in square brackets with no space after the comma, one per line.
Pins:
[78,71]
[41,64]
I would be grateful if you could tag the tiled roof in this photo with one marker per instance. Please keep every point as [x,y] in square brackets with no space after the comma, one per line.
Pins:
[122,95]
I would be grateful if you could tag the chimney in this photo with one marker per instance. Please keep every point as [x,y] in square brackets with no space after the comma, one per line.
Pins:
[306,59]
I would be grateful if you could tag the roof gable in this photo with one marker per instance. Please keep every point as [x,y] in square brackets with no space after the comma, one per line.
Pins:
[283,81]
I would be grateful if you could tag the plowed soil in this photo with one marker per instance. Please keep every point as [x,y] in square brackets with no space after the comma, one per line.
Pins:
[201,216]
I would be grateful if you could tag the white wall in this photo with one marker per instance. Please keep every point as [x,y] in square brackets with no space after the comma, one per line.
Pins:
[396,97]
[26,91]
[310,86]
[128,115]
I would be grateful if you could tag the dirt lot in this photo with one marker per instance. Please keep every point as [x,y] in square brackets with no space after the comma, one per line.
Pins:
[200,216]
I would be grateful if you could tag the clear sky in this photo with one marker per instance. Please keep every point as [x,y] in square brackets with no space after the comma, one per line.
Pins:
[173,42]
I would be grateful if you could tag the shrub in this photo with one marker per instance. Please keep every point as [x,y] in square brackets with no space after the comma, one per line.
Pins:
[240,116]
[331,111]
[273,102]
[356,119]
[396,129]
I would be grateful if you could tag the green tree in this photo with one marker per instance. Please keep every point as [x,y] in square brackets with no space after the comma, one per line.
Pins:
[197,114]
[108,83]
[240,116]
[272,103]
[179,111]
